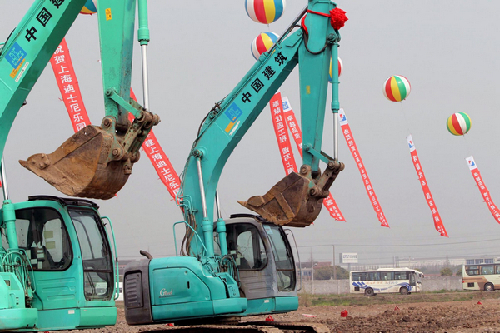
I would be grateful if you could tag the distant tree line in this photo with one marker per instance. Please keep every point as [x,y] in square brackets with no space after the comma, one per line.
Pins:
[443,271]
[326,273]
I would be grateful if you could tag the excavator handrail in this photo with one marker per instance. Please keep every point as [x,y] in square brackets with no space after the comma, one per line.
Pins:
[194,231]
[9,264]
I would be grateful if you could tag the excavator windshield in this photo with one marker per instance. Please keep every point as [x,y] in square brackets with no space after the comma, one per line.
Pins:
[96,254]
[42,236]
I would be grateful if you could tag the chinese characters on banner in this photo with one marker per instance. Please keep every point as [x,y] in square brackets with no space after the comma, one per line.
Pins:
[281,131]
[291,123]
[438,223]
[159,160]
[346,130]
[482,188]
[162,164]
[68,85]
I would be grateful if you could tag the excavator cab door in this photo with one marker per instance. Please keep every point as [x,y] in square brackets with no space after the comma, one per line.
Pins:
[295,248]
[98,283]
[283,257]
[265,264]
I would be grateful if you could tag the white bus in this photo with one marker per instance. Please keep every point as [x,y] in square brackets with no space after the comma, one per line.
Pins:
[481,277]
[386,280]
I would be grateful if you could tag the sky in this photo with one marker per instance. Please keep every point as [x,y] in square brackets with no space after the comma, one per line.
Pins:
[200,50]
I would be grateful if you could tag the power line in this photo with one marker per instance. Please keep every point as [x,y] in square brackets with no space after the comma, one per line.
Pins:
[405,245]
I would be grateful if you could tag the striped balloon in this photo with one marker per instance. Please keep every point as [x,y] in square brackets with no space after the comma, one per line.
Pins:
[458,123]
[262,43]
[90,7]
[265,11]
[397,88]
[339,61]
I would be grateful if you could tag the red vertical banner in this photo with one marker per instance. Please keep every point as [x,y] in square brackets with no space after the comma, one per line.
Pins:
[293,126]
[351,144]
[281,132]
[68,86]
[159,160]
[482,188]
[438,223]
[162,164]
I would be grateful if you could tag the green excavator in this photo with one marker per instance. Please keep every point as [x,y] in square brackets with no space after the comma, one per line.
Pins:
[57,264]
[57,268]
[243,265]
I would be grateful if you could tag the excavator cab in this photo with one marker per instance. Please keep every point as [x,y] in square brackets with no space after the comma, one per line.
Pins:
[69,266]
[265,263]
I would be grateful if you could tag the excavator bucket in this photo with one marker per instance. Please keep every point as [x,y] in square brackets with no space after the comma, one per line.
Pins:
[297,199]
[82,166]
[287,203]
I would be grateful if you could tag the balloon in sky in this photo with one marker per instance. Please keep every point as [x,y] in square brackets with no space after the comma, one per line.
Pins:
[263,43]
[265,11]
[458,123]
[340,69]
[397,88]
[90,7]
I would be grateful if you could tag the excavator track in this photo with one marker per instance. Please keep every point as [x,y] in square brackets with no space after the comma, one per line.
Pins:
[251,327]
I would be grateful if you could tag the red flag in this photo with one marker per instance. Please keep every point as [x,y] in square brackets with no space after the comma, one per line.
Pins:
[293,126]
[482,188]
[351,144]
[68,86]
[438,223]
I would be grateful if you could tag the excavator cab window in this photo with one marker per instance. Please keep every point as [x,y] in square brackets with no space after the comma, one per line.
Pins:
[96,254]
[42,235]
[283,257]
[244,240]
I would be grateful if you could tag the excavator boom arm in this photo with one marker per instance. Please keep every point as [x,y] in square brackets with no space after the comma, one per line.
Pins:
[228,122]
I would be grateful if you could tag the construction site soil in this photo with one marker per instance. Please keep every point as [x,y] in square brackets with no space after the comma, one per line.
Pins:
[383,313]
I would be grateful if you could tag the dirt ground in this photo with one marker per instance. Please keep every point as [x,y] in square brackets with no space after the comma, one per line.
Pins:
[450,316]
